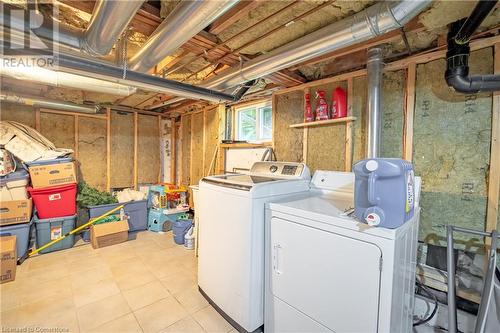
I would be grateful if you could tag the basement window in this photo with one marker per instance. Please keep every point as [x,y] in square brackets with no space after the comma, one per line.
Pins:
[254,122]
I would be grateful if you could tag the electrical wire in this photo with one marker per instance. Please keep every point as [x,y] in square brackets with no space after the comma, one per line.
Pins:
[434,298]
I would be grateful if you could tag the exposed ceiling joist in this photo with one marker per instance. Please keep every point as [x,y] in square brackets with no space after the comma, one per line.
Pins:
[233,15]
[185,106]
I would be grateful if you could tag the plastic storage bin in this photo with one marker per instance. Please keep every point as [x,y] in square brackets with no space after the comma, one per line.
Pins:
[137,212]
[179,229]
[54,201]
[49,229]
[22,233]
[47,162]
[13,186]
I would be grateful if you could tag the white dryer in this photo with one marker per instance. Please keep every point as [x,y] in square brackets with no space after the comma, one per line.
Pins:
[327,272]
[231,239]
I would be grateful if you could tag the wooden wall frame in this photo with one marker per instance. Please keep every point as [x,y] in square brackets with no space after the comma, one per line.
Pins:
[108,149]
[409,111]
[136,151]
[107,118]
[173,151]
[494,172]
[349,144]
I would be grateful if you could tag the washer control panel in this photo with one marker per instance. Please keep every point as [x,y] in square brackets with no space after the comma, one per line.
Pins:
[280,170]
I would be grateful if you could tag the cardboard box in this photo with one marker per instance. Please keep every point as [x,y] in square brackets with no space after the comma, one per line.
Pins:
[8,258]
[110,233]
[52,175]
[16,211]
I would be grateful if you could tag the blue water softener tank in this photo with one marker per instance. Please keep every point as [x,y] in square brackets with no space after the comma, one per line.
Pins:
[384,191]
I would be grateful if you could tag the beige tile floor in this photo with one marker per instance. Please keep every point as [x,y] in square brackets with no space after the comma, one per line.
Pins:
[144,285]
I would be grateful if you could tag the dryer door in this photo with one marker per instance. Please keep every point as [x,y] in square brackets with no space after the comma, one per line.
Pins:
[332,279]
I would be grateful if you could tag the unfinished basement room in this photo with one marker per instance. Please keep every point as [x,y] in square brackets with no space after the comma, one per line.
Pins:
[272,166]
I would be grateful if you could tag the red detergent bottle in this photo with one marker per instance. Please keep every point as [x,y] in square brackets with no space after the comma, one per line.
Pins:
[308,113]
[321,106]
[339,103]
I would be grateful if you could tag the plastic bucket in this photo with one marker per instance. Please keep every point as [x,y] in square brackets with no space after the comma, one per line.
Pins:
[54,201]
[179,229]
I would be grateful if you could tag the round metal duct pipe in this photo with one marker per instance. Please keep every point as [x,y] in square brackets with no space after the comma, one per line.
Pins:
[374,21]
[65,80]
[47,103]
[109,19]
[374,69]
[186,20]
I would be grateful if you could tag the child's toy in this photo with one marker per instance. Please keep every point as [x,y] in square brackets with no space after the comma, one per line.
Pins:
[166,202]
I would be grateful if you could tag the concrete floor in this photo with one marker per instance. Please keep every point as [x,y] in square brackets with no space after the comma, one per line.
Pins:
[144,285]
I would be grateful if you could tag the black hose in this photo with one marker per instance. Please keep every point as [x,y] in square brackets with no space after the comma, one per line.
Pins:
[482,9]
[434,298]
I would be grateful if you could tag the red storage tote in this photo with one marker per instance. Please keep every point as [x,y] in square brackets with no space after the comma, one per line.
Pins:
[54,201]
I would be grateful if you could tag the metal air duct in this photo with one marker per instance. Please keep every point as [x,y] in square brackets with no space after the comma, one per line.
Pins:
[186,20]
[42,102]
[374,21]
[109,19]
[76,63]
[96,69]
[374,68]
[68,80]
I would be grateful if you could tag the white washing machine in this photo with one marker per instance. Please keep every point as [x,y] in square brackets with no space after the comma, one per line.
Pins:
[231,249]
[327,272]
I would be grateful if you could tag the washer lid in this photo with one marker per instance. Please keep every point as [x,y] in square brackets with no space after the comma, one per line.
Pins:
[239,181]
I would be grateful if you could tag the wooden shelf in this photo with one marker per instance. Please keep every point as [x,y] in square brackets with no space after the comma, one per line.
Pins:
[324,122]
[246,145]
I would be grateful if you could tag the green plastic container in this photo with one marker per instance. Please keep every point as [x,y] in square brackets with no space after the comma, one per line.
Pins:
[49,229]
